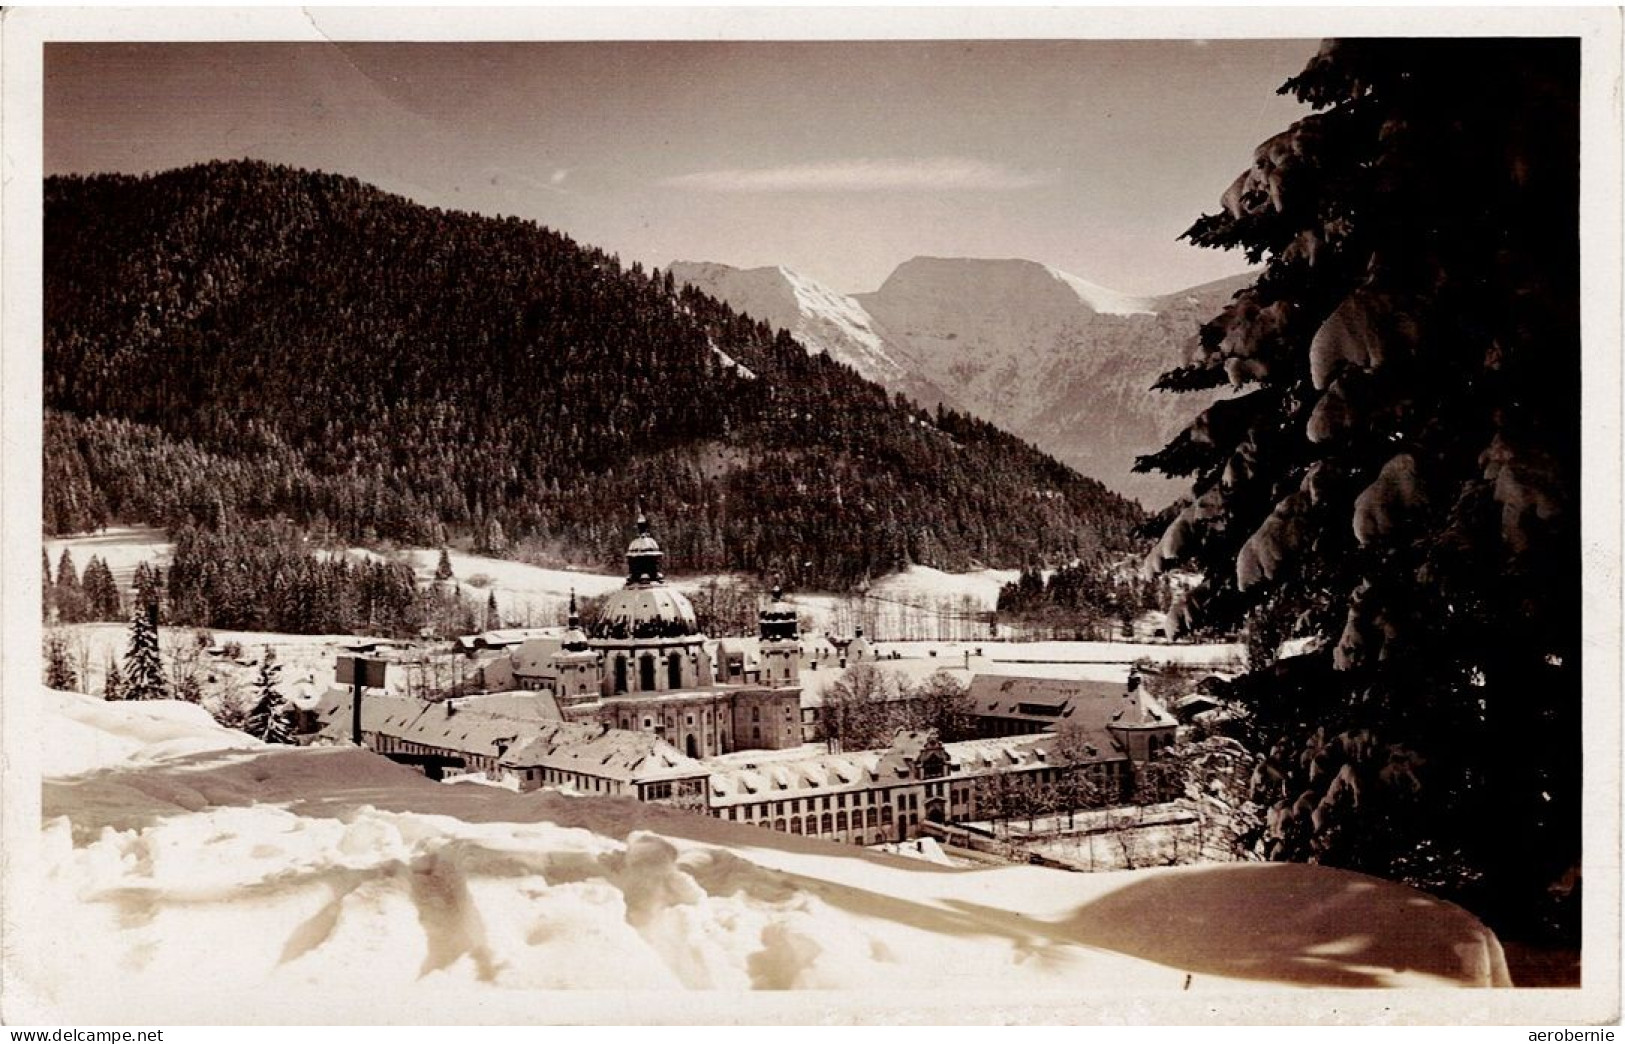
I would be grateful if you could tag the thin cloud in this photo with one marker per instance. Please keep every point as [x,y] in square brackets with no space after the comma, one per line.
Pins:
[554,183]
[941,175]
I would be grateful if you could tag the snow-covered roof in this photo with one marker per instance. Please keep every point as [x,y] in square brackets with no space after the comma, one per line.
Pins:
[811,775]
[1046,702]
[533,655]
[445,725]
[505,638]
[517,735]
[524,705]
[747,647]
[598,750]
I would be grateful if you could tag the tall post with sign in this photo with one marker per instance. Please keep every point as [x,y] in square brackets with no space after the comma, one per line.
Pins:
[360,672]
[355,707]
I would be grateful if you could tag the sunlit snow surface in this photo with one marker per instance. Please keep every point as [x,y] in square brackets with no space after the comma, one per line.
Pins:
[191,874]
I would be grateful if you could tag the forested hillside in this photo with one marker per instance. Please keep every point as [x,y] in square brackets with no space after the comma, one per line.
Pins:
[243,340]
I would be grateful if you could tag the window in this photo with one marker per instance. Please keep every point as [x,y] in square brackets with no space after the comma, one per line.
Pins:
[620,675]
[647,723]
[840,800]
[691,719]
[756,714]
[840,821]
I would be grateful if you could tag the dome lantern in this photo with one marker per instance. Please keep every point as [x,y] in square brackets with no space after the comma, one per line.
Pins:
[778,621]
[643,555]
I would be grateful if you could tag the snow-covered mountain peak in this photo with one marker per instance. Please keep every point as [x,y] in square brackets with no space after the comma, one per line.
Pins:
[822,319]
[978,280]
[1052,357]
[1103,299]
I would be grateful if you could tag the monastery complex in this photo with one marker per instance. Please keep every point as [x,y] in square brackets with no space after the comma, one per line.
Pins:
[645,706]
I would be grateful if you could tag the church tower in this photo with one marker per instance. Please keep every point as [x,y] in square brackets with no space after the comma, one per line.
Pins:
[577,670]
[780,642]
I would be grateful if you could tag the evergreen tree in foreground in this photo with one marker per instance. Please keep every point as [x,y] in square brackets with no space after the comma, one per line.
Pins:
[143,664]
[1398,473]
[59,673]
[113,683]
[271,718]
[442,571]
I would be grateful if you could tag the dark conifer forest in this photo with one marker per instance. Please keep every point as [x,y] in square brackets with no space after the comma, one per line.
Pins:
[241,341]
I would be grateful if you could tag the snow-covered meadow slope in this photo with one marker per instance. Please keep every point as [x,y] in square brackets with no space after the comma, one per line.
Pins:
[536,595]
[188,874]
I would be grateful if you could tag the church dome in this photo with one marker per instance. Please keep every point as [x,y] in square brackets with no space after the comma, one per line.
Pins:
[653,611]
[645,607]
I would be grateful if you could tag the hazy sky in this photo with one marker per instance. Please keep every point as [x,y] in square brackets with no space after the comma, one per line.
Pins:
[837,159]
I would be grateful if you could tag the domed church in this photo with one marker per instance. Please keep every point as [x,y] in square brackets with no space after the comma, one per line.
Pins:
[646,667]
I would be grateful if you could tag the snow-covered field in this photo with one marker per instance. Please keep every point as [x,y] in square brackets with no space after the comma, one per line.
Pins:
[186,873]
[533,595]
[305,659]
[924,582]
[527,594]
[121,547]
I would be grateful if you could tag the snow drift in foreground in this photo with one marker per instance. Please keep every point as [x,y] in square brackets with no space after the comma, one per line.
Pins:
[190,874]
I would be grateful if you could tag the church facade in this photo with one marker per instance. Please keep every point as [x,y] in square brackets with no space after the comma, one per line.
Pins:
[645,667]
